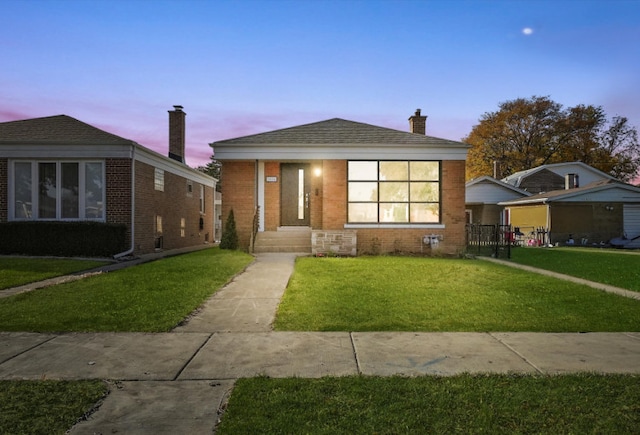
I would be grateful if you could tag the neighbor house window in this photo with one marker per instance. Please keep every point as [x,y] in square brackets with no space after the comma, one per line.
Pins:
[183,227]
[189,188]
[159,239]
[201,198]
[394,192]
[57,190]
[159,179]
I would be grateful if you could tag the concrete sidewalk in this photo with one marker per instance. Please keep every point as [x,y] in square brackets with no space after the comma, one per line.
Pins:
[233,355]
[177,382]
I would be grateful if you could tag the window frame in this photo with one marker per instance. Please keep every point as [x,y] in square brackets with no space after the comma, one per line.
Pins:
[202,199]
[158,179]
[35,203]
[383,186]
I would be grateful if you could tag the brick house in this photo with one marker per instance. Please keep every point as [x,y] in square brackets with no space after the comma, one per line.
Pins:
[345,187]
[58,168]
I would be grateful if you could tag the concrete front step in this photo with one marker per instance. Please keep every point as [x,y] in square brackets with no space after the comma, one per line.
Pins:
[287,240]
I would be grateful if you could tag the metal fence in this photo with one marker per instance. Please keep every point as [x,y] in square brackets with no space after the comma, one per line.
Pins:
[490,240]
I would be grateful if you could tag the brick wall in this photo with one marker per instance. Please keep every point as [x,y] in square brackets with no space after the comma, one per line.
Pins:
[238,192]
[118,193]
[334,197]
[272,197]
[4,190]
[386,240]
[453,206]
[316,194]
[328,207]
[173,204]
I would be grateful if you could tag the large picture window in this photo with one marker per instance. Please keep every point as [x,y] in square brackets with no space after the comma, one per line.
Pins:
[394,192]
[54,190]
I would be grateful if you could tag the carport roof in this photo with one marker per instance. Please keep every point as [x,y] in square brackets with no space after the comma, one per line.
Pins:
[565,194]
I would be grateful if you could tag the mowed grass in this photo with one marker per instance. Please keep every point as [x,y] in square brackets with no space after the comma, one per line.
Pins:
[437,294]
[151,297]
[46,407]
[489,404]
[17,271]
[619,269]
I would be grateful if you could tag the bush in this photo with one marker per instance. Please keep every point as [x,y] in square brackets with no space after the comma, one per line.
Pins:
[63,239]
[229,235]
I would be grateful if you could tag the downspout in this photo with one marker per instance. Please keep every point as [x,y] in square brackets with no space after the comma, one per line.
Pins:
[255,181]
[548,223]
[133,207]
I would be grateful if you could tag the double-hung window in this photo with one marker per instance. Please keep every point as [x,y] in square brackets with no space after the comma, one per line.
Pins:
[57,190]
[401,192]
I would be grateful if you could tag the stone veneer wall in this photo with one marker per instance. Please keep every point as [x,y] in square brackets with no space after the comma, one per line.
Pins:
[334,241]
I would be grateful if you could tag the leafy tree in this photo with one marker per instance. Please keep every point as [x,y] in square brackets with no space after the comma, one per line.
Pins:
[214,169]
[229,235]
[525,133]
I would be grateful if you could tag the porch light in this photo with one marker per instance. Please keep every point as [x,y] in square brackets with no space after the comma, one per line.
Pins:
[317,172]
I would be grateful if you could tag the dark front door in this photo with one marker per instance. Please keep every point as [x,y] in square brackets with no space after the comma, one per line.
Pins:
[295,187]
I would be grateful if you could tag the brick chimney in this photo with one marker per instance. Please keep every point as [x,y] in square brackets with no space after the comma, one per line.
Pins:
[418,123]
[177,133]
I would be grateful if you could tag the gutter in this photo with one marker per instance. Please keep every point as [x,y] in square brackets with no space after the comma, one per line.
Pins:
[133,207]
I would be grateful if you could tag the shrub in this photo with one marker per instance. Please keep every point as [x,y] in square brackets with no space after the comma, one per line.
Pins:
[64,239]
[229,235]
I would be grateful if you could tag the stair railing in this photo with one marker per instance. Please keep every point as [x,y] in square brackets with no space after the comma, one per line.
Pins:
[254,228]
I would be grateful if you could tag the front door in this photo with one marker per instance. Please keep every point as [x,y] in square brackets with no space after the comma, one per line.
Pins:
[295,179]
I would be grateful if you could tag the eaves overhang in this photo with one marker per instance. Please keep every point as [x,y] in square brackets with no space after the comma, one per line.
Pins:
[338,152]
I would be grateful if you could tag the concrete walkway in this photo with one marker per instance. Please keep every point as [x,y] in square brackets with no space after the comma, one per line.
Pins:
[177,382]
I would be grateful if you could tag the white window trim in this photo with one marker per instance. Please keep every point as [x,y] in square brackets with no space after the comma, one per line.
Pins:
[202,199]
[34,190]
[158,179]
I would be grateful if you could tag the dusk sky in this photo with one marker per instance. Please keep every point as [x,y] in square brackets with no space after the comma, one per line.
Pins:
[244,67]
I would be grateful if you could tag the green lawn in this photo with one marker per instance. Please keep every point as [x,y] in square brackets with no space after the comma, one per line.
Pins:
[354,294]
[619,269]
[437,294]
[16,271]
[465,404]
[151,297]
[46,407]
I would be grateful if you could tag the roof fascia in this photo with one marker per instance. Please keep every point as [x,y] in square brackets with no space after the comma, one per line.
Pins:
[66,151]
[339,152]
[152,158]
[498,183]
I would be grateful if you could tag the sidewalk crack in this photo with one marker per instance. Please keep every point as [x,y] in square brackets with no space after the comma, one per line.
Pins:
[355,353]
[522,357]
[184,366]
[28,349]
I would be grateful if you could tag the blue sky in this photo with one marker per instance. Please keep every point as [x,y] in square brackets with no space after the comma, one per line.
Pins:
[243,67]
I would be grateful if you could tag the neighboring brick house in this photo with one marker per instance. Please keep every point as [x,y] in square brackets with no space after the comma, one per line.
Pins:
[60,169]
[356,188]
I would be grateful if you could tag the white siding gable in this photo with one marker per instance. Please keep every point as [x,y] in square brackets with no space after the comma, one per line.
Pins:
[585,173]
[487,192]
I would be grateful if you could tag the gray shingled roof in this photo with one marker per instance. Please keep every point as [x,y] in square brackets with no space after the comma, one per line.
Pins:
[57,129]
[338,131]
[561,193]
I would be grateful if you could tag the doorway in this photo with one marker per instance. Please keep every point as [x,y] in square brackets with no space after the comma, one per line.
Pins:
[295,190]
